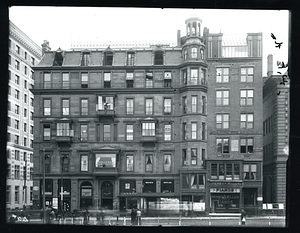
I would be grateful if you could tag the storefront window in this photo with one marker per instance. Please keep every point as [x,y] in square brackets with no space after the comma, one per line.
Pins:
[149,186]
[127,186]
[105,160]
[193,181]
[167,186]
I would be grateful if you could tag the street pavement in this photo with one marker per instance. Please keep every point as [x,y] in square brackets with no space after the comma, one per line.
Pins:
[272,221]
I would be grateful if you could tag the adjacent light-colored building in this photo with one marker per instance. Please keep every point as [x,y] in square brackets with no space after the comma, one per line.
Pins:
[276,115]
[23,54]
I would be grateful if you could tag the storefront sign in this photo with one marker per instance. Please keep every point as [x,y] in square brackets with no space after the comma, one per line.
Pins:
[234,145]
[35,188]
[225,197]
[259,198]
[225,183]
[86,192]
[224,190]
[105,160]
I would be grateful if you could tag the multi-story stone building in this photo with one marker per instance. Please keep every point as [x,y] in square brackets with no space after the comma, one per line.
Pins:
[120,127]
[23,54]
[234,160]
[276,92]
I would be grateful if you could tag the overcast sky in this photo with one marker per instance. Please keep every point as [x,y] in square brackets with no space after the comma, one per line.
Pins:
[61,25]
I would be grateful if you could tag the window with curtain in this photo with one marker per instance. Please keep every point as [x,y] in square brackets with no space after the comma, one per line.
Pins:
[167,162]
[250,171]
[149,162]
[194,156]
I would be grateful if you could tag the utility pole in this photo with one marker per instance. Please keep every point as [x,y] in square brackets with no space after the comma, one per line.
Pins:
[44,168]
[24,187]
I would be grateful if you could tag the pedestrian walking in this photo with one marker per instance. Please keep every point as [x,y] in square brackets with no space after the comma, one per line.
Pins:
[139,217]
[133,216]
[86,217]
[243,216]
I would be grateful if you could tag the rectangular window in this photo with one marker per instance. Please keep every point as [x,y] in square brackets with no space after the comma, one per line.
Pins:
[107,80]
[222,145]
[32,61]
[17,79]
[17,49]
[148,129]
[25,98]
[63,129]
[184,104]
[25,112]
[129,106]
[129,163]
[84,163]
[25,70]
[16,139]
[167,106]
[17,172]
[222,121]
[65,107]
[214,171]
[47,80]
[247,97]
[149,79]
[8,121]
[17,94]
[31,102]
[129,132]
[221,171]
[129,80]
[25,127]
[203,104]
[31,143]
[168,79]
[203,76]
[84,80]
[203,130]
[194,131]
[106,132]
[194,156]
[17,64]
[222,97]
[246,145]
[184,131]
[105,103]
[17,193]
[17,155]
[194,53]
[149,162]
[8,193]
[158,58]
[149,106]
[65,80]
[167,162]
[194,76]
[25,141]
[247,121]
[167,132]
[25,55]
[229,171]
[130,58]
[222,75]
[84,104]
[25,84]
[250,171]
[16,124]
[84,132]
[184,159]
[236,171]
[194,103]
[31,129]
[47,132]
[247,74]
[184,77]
[17,109]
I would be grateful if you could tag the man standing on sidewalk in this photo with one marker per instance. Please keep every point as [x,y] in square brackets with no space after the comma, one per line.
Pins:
[139,216]
[243,216]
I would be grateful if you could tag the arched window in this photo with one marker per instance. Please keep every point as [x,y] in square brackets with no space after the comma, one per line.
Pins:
[194,53]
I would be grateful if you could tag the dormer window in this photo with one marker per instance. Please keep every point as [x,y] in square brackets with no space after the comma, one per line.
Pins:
[86,57]
[130,58]
[108,58]
[58,58]
[158,58]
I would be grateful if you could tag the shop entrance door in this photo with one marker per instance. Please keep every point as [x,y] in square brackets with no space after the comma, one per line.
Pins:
[107,195]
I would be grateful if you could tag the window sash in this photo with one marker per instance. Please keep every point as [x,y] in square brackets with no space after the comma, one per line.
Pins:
[106,132]
[83,132]
[63,129]
[167,132]
[129,132]
[129,163]
[129,106]
[167,105]
[84,163]
[167,162]
[148,129]
[149,106]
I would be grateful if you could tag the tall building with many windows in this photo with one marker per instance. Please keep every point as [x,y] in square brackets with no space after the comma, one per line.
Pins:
[128,127]
[23,54]
[235,116]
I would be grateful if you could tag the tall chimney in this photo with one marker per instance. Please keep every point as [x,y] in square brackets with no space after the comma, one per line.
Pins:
[45,47]
[270,65]
[178,38]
